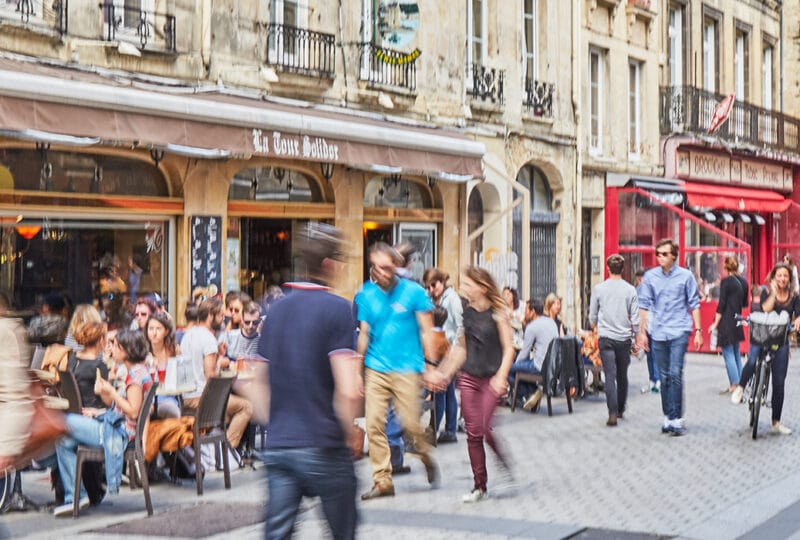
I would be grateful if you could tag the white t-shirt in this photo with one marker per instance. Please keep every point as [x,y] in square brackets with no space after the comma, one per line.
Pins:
[197,343]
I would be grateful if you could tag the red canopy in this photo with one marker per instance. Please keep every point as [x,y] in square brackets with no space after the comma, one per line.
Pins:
[738,199]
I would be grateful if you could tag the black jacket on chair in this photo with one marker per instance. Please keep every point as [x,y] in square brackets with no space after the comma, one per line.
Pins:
[562,367]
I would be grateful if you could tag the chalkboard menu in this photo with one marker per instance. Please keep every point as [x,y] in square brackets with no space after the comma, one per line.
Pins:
[206,245]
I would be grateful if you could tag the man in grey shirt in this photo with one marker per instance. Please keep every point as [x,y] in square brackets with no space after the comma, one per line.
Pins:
[614,311]
[539,332]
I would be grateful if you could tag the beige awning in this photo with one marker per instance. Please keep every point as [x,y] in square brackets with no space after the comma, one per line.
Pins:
[48,103]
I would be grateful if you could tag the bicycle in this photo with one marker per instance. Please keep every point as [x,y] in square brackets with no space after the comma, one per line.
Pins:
[768,330]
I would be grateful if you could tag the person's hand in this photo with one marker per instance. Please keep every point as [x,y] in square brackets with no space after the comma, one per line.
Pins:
[224,362]
[434,380]
[222,348]
[796,325]
[698,340]
[773,287]
[635,348]
[499,385]
[641,341]
[5,463]
[102,386]
[92,412]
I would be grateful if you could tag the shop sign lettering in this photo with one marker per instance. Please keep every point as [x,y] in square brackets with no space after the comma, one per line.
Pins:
[295,146]
[722,168]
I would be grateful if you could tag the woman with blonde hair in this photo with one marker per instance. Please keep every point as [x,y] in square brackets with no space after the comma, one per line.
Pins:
[733,297]
[83,313]
[483,353]
[552,309]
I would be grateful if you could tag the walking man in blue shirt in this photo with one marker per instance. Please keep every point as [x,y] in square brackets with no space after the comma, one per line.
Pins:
[668,294]
[394,316]
[308,341]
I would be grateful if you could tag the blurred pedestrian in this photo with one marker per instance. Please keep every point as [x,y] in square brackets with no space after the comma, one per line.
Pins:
[668,295]
[654,380]
[483,353]
[50,326]
[395,317]
[614,312]
[308,342]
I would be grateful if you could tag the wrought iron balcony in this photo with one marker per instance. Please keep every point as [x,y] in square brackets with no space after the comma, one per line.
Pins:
[151,28]
[38,13]
[539,97]
[387,67]
[685,109]
[298,50]
[487,84]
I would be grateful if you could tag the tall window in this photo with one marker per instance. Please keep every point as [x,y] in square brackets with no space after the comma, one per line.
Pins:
[289,14]
[530,35]
[766,76]
[675,48]
[595,101]
[634,108]
[476,31]
[741,64]
[710,54]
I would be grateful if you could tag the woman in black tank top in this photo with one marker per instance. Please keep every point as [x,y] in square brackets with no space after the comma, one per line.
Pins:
[483,351]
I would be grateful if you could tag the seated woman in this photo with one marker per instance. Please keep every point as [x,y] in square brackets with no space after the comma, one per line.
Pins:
[161,340]
[112,429]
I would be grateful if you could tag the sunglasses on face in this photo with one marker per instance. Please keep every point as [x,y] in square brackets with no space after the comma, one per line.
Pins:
[251,323]
[663,253]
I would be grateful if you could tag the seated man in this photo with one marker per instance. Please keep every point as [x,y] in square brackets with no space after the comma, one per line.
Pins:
[200,346]
[539,332]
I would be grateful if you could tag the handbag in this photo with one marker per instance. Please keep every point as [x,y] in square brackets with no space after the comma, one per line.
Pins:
[47,426]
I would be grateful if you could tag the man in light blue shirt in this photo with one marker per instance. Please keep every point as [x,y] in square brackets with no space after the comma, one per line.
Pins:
[394,315]
[668,294]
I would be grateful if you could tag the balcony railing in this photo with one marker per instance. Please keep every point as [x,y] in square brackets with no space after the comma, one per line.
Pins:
[685,109]
[386,67]
[38,13]
[150,27]
[487,84]
[298,50]
[539,97]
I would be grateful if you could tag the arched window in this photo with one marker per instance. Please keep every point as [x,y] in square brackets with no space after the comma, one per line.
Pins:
[72,172]
[395,192]
[542,222]
[274,184]
[475,219]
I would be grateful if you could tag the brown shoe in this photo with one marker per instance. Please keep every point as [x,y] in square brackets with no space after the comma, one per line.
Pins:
[377,491]
[612,420]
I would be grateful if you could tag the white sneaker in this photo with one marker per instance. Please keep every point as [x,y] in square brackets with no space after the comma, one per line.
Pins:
[476,495]
[736,395]
[780,429]
[66,508]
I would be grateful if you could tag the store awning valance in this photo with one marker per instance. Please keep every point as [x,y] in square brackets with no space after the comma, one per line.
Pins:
[63,104]
[717,197]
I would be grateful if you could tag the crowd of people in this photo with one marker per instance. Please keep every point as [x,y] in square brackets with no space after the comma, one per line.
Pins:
[399,345]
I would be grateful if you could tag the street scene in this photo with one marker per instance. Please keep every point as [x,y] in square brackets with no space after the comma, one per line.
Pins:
[574,476]
[399,268]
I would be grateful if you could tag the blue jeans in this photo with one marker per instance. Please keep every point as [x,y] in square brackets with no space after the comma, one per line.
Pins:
[394,431]
[294,473]
[733,362]
[652,366]
[81,430]
[670,355]
[446,405]
[780,367]
[525,389]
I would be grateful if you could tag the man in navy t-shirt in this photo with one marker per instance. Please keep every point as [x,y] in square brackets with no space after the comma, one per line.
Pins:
[308,342]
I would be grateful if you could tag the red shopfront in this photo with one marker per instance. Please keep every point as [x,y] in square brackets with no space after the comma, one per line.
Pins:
[708,222]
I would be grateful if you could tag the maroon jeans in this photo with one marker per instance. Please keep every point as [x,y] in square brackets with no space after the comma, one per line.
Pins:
[478,402]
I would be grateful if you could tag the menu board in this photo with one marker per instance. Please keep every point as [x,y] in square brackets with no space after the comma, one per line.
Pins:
[206,268]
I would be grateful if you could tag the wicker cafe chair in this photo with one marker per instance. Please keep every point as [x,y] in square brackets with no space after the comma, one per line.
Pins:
[68,389]
[133,457]
[209,425]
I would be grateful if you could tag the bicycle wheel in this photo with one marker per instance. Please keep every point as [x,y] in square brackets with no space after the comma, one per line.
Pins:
[761,393]
[6,482]
[753,385]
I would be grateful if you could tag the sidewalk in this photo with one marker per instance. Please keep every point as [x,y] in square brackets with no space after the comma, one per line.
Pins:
[573,472]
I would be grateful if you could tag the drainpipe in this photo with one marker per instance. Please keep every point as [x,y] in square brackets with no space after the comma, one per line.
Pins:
[781,59]
[205,32]
[573,281]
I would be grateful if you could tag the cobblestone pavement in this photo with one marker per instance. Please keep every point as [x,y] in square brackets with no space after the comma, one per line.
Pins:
[572,472]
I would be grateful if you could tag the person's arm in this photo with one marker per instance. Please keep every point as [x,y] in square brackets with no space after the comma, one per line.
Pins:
[641,337]
[210,365]
[129,404]
[361,349]
[345,366]
[453,362]
[425,322]
[594,307]
[768,303]
[633,314]
[527,343]
[499,382]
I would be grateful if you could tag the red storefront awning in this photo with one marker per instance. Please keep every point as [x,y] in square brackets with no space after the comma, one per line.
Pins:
[716,197]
